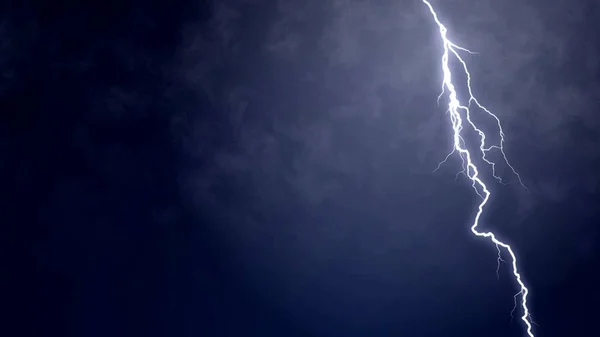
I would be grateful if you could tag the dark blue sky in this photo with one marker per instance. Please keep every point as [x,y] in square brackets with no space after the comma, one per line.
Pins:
[265,168]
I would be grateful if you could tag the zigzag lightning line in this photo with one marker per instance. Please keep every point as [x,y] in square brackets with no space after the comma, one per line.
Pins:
[458,112]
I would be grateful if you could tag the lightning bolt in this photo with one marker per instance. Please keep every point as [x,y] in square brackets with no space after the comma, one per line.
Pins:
[458,112]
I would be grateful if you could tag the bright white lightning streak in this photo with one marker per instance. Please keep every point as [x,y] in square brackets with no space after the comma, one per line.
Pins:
[470,170]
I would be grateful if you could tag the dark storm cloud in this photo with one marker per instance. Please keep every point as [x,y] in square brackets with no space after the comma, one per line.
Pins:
[339,91]
[313,143]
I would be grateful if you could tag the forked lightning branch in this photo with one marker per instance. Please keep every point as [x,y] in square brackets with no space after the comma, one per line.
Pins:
[460,118]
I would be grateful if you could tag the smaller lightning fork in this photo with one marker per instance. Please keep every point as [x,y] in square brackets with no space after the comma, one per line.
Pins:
[470,169]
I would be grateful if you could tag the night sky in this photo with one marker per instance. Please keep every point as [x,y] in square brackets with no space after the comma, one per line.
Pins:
[266,168]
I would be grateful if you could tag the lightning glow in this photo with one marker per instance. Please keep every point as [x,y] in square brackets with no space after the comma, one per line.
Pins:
[458,112]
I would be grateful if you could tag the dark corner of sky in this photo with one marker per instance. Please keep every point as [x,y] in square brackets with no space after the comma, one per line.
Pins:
[277,168]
